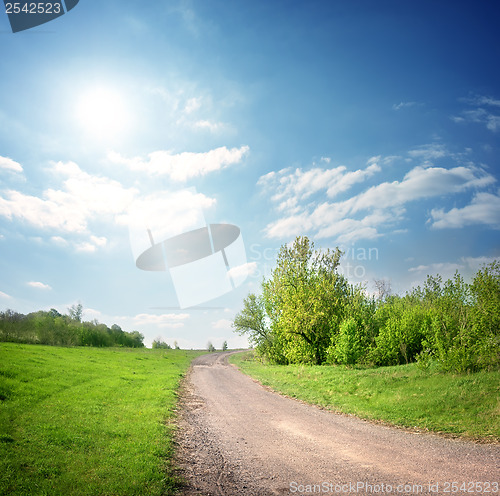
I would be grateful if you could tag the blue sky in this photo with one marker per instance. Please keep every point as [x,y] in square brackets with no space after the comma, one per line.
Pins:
[372,126]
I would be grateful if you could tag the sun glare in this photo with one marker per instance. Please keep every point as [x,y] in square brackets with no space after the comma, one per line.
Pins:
[102,113]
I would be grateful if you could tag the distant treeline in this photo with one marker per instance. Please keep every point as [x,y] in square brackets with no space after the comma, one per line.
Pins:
[308,312]
[53,328]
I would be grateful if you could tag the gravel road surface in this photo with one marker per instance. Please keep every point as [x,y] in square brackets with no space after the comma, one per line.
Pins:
[237,438]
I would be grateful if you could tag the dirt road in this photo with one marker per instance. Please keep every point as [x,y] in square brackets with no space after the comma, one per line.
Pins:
[237,438]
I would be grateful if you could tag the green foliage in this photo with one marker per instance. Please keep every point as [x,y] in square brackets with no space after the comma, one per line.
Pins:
[210,347]
[224,346]
[404,325]
[309,314]
[305,300]
[464,333]
[160,344]
[52,328]
[75,312]
[348,347]
[485,316]
[251,321]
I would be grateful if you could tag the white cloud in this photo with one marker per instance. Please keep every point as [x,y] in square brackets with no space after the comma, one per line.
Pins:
[289,226]
[183,166]
[5,295]
[420,183]
[222,324]
[192,105]
[350,178]
[475,263]
[445,269]
[480,116]
[93,194]
[350,230]
[402,105]
[290,187]
[92,245]
[388,160]
[99,240]
[85,247]
[58,240]
[244,270]
[363,215]
[493,122]
[9,164]
[483,209]
[72,208]
[163,215]
[41,212]
[92,313]
[466,266]
[482,100]
[437,268]
[429,152]
[38,285]
[68,209]
[209,125]
[171,320]
[482,113]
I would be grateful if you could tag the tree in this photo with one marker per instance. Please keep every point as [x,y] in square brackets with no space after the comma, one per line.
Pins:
[210,347]
[485,316]
[305,299]
[404,325]
[252,320]
[224,346]
[160,344]
[348,348]
[54,313]
[383,288]
[75,312]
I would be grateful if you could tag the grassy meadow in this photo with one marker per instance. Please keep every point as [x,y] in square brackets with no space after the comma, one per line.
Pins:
[466,405]
[87,421]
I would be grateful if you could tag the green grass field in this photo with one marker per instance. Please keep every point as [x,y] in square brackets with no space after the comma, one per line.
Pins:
[464,405]
[87,421]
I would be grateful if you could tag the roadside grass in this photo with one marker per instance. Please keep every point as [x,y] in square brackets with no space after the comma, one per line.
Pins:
[88,421]
[404,395]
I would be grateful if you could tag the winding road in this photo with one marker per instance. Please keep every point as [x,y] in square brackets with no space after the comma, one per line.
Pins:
[237,438]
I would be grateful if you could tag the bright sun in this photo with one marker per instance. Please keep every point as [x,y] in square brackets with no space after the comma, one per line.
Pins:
[102,113]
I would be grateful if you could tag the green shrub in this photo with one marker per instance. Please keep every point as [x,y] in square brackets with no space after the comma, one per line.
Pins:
[52,328]
[404,327]
[309,313]
[348,348]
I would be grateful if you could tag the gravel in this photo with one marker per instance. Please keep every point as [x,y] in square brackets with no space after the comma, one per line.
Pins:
[236,437]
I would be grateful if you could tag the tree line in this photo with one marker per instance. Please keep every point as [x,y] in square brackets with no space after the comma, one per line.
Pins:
[307,312]
[53,328]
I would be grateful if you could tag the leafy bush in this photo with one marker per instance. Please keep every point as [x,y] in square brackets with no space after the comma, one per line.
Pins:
[308,313]
[52,328]
[161,345]
[401,335]
[348,347]
[305,300]
[485,316]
